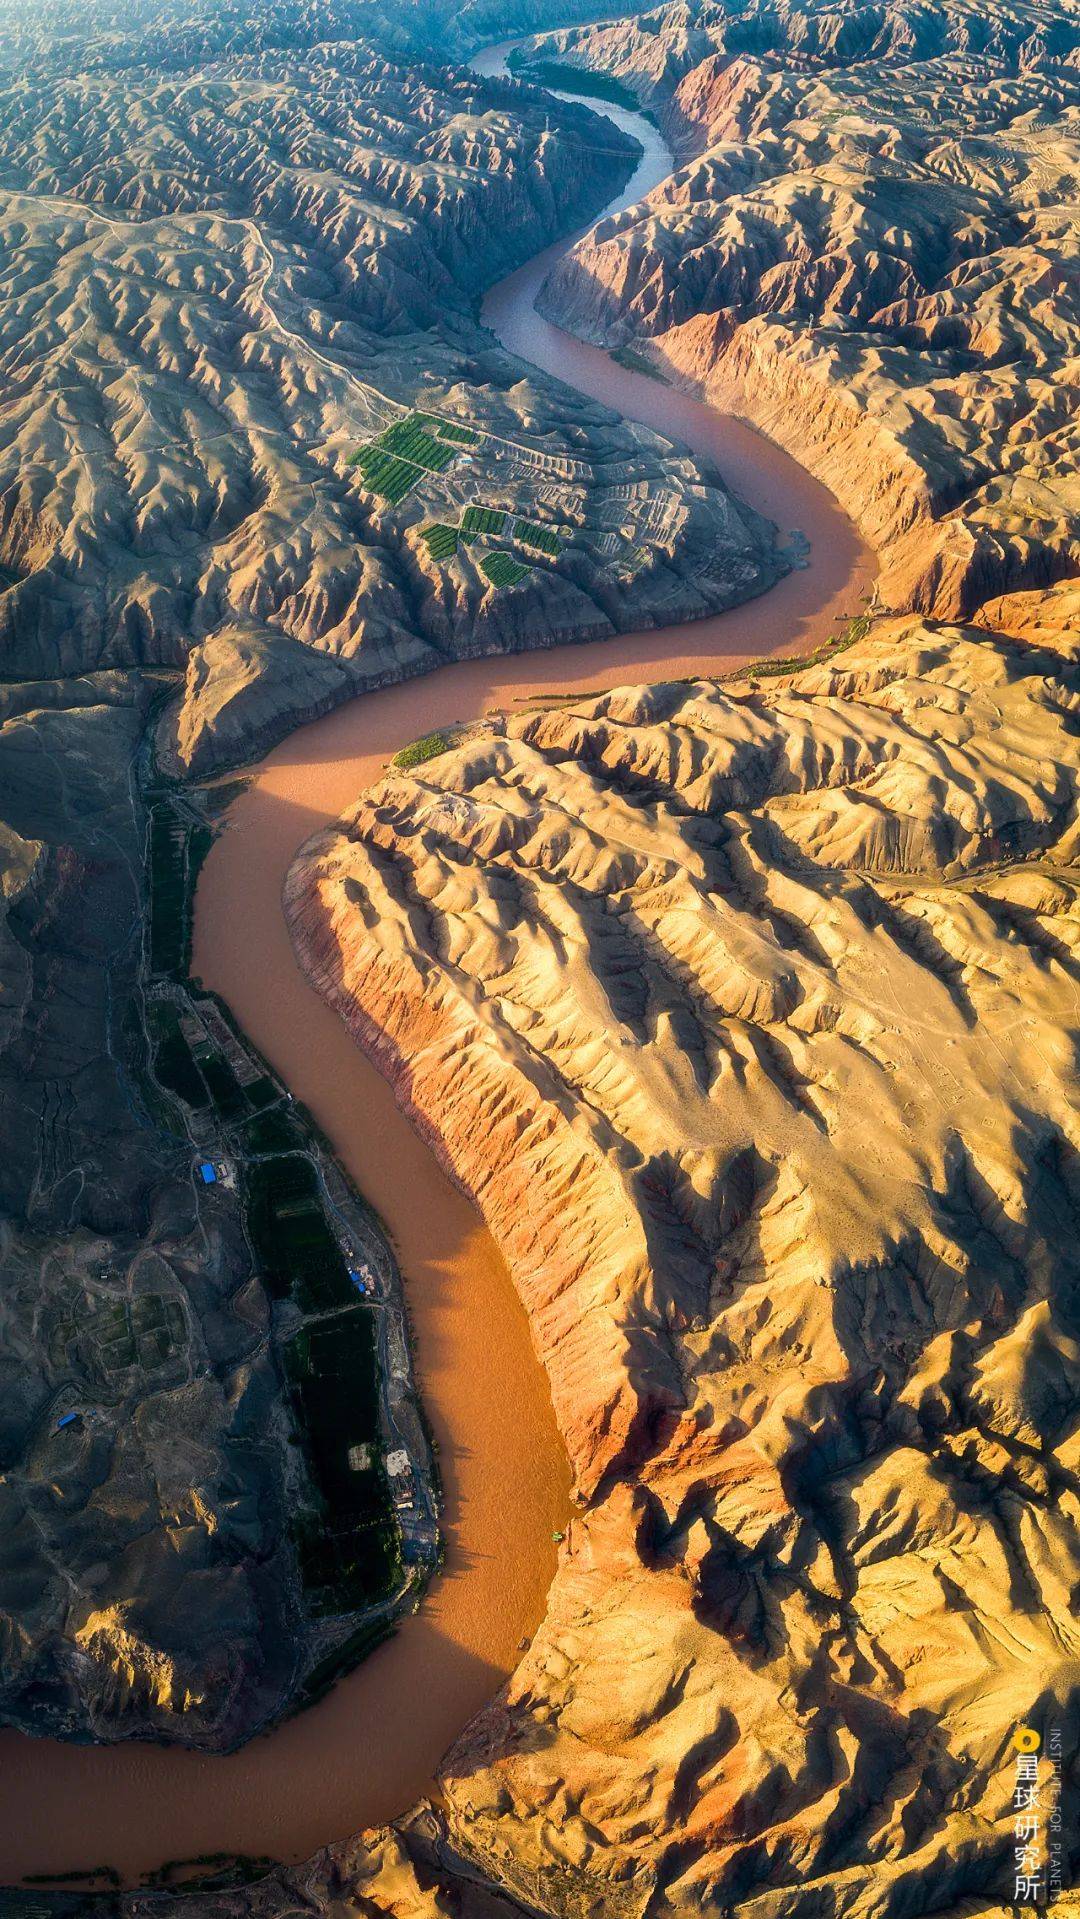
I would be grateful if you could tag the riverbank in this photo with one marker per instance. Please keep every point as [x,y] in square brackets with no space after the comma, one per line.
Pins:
[371,1748]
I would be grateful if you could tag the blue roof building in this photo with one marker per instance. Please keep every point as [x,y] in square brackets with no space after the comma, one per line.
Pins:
[207,1173]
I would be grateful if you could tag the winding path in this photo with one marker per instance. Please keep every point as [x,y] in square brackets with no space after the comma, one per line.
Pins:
[369,1750]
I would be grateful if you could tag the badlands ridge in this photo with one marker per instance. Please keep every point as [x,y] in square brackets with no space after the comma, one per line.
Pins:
[746,1014]
[870,250]
[234,255]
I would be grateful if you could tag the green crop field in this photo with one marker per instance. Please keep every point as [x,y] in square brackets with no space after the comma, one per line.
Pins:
[177,851]
[295,1247]
[441,540]
[462,435]
[261,1092]
[391,464]
[483,519]
[427,748]
[410,440]
[502,569]
[272,1132]
[173,1063]
[385,475]
[167,890]
[349,1550]
[544,538]
[224,1088]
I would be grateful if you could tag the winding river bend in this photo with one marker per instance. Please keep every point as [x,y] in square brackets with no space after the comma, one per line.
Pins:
[371,1748]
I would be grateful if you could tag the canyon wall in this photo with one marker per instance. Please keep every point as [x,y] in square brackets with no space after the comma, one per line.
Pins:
[238,245]
[745,1013]
[231,269]
[870,252]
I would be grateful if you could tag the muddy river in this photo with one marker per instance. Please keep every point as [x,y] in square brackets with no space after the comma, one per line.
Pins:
[369,1750]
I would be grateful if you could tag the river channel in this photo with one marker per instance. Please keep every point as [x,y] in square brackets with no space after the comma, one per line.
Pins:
[366,1752]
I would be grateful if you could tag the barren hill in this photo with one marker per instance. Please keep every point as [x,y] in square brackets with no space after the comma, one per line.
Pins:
[654,51]
[746,1015]
[217,288]
[252,446]
[745,1012]
[871,251]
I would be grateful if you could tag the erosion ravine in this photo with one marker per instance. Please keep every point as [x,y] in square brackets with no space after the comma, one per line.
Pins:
[366,1752]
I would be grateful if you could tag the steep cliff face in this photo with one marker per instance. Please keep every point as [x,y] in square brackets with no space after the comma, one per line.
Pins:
[746,1013]
[871,254]
[238,245]
[64,37]
[674,56]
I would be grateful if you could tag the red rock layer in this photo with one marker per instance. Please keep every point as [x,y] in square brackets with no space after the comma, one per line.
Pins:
[745,1014]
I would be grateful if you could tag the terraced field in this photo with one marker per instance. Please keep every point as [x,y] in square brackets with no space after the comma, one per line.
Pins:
[543,538]
[384,474]
[502,569]
[441,540]
[483,519]
[391,465]
[482,522]
[461,435]
[422,443]
[411,440]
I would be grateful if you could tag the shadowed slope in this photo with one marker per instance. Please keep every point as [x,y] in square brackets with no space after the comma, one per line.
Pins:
[746,1014]
[871,252]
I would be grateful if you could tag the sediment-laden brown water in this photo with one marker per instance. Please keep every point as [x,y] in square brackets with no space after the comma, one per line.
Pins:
[368,1751]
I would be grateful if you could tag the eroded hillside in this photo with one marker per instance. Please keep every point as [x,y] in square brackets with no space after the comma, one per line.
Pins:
[870,251]
[246,413]
[220,285]
[746,1013]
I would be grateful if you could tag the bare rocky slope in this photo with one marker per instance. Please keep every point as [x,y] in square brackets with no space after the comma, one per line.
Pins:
[870,251]
[130,1593]
[235,248]
[220,283]
[653,52]
[746,1014]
